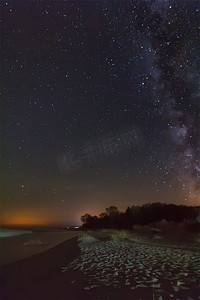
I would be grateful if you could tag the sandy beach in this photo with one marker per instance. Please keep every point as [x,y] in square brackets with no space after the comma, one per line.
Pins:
[22,246]
[96,266]
[33,272]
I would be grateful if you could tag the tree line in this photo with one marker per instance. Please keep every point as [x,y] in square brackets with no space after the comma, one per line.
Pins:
[142,215]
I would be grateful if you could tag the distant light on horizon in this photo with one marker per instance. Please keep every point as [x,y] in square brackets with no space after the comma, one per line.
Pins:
[26,218]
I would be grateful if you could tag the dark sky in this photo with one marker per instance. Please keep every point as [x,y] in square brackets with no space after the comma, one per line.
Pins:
[100,107]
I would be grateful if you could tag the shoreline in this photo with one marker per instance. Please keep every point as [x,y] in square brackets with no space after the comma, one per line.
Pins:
[18,247]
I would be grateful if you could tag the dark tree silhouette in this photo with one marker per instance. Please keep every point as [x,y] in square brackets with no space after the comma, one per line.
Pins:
[102,215]
[111,210]
[85,218]
[143,215]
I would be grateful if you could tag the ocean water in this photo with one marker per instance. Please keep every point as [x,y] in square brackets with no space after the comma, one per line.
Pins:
[4,232]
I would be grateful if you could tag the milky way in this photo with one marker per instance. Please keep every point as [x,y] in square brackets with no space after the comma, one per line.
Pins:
[101,106]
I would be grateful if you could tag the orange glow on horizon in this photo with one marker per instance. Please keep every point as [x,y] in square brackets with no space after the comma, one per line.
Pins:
[25,219]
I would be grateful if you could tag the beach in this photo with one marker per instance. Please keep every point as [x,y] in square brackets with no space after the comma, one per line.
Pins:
[31,269]
[103,265]
[18,247]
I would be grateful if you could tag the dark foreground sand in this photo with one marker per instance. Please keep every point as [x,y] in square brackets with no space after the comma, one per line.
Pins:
[39,276]
[98,267]
[18,247]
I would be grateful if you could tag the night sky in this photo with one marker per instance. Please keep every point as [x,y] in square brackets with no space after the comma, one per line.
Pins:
[100,107]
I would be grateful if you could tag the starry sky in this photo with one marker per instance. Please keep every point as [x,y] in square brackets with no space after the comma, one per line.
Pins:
[100,107]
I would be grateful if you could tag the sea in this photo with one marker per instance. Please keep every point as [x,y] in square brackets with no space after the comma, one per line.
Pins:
[5,232]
